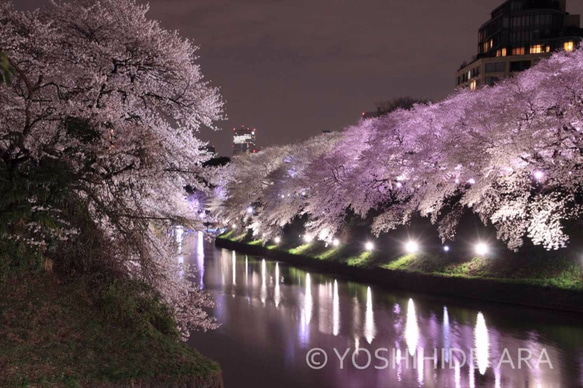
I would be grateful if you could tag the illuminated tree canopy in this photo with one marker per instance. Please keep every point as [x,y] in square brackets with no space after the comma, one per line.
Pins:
[511,153]
[101,114]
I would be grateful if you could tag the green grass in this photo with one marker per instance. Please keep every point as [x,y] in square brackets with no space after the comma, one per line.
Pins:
[400,263]
[228,235]
[53,334]
[302,249]
[559,272]
[240,237]
[330,254]
[545,270]
[362,260]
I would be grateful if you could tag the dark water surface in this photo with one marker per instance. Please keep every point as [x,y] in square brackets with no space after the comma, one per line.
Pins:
[273,314]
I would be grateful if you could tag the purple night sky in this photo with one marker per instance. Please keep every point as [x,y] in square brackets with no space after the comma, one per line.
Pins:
[294,68]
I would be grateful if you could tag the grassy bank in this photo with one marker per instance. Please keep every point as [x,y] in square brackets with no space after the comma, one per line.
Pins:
[555,270]
[57,333]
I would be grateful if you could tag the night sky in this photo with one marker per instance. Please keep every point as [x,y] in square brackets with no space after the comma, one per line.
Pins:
[292,68]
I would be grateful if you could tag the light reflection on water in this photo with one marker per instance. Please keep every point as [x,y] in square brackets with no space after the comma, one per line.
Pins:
[277,291]
[482,345]
[336,310]
[272,318]
[411,328]
[369,327]
[199,253]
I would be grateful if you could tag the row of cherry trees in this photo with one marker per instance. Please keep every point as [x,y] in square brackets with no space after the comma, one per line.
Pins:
[512,154]
[100,119]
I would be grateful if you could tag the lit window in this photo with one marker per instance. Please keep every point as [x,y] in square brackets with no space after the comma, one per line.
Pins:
[569,46]
[548,49]
[518,51]
[473,84]
[536,49]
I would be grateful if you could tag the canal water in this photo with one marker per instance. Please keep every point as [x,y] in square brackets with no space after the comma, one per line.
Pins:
[282,326]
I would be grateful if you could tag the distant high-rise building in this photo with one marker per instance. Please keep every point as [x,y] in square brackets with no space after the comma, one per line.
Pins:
[519,34]
[244,140]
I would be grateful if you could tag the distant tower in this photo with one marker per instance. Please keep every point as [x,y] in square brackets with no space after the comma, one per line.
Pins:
[244,140]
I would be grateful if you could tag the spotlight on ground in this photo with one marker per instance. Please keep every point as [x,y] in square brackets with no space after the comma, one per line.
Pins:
[481,249]
[369,246]
[412,246]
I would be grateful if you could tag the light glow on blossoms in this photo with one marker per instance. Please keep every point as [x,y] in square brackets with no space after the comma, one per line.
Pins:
[135,93]
[538,175]
[397,166]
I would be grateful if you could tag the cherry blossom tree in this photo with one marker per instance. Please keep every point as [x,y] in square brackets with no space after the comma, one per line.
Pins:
[112,101]
[510,153]
[267,190]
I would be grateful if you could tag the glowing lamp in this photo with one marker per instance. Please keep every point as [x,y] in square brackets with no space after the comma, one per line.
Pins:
[446,248]
[411,246]
[336,242]
[369,246]
[308,238]
[481,249]
[277,240]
